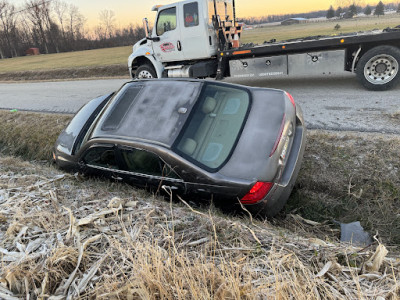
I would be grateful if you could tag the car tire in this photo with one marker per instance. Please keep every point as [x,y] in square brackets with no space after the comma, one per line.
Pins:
[145,71]
[378,68]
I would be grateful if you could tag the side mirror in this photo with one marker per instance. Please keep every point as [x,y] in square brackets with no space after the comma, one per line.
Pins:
[146,27]
[147,31]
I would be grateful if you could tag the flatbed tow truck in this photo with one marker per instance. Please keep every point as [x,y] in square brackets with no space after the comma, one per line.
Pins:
[200,38]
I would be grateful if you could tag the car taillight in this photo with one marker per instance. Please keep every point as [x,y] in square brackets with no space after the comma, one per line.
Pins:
[291,99]
[279,137]
[257,192]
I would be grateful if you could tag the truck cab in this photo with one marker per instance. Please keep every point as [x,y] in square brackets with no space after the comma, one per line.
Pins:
[184,34]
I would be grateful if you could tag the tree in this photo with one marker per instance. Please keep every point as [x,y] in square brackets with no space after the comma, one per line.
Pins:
[330,13]
[339,12]
[107,24]
[380,9]
[367,10]
[352,10]
[7,29]
[337,27]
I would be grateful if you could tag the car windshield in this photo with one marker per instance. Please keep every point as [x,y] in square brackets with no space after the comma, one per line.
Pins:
[211,132]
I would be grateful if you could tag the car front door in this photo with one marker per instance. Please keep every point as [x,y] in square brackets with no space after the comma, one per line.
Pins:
[101,160]
[146,169]
[167,29]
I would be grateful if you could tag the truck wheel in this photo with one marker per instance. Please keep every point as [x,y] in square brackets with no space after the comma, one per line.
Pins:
[378,68]
[145,72]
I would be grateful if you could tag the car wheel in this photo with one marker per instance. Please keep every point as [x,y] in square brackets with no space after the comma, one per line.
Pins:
[145,72]
[378,68]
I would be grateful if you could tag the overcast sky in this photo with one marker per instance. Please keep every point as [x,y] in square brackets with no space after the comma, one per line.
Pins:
[133,11]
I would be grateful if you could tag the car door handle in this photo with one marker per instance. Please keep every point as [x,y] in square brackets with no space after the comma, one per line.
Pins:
[115,177]
[179,46]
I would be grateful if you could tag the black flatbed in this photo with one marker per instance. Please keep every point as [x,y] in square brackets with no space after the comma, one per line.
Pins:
[345,41]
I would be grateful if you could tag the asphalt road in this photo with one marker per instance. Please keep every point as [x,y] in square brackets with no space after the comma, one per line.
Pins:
[332,102]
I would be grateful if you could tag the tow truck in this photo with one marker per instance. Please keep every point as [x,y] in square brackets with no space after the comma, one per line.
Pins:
[201,38]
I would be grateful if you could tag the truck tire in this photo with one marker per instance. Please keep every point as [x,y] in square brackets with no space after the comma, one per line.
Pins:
[145,71]
[378,68]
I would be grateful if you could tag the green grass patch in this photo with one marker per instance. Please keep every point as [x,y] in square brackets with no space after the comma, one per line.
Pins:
[68,60]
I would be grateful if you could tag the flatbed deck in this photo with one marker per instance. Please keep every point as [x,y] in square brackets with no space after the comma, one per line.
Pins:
[391,36]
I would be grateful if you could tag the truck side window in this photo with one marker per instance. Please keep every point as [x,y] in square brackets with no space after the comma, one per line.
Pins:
[191,14]
[166,20]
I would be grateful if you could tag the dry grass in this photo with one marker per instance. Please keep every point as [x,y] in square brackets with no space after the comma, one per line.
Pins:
[279,32]
[30,135]
[351,177]
[61,237]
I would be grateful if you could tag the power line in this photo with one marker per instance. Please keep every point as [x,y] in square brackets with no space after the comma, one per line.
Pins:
[30,7]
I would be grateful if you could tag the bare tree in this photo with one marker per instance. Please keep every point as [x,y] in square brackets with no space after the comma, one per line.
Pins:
[8,27]
[36,11]
[60,9]
[76,22]
[107,24]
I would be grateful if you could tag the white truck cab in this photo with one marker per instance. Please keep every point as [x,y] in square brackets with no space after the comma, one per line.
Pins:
[183,35]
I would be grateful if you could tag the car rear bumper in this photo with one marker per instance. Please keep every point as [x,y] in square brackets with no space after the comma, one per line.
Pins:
[278,195]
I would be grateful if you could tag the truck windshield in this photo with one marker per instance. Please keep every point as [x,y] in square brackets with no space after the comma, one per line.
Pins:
[213,128]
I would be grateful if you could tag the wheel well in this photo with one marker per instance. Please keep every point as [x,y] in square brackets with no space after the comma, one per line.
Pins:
[138,61]
[364,49]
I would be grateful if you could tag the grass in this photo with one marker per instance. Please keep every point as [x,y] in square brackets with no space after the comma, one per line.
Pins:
[344,177]
[30,135]
[119,55]
[67,235]
[279,32]
[68,60]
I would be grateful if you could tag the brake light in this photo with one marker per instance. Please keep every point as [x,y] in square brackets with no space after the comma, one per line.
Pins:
[291,99]
[279,137]
[257,192]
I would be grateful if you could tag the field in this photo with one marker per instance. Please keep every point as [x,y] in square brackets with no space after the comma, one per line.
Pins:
[78,59]
[68,235]
[91,60]
[279,32]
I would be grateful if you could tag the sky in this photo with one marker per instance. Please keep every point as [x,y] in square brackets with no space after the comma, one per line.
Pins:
[134,11]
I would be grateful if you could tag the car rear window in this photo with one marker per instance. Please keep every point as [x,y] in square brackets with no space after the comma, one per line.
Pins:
[120,109]
[214,126]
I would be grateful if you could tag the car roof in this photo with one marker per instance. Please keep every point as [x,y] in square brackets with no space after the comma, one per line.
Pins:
[149,110]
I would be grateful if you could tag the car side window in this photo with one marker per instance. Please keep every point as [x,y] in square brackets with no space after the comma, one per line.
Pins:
[166,20]
[191,14]
[101,157]
[144,162]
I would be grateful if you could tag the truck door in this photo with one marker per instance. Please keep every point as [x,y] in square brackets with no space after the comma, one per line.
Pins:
[197,38]
[169,47]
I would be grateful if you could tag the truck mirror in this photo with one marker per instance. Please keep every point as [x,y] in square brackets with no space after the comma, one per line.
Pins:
[147,31]
[146,27]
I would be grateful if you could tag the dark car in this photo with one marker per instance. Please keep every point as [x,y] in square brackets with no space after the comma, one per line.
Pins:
[199,138]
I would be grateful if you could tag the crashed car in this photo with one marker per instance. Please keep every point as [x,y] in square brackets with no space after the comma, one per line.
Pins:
[193,137]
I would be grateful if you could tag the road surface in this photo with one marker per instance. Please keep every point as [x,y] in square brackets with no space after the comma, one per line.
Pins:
[336,102]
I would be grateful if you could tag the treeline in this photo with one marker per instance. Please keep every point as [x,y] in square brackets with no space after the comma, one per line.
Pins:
[355,8]
[280,18]
[343,6]
[54,26]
